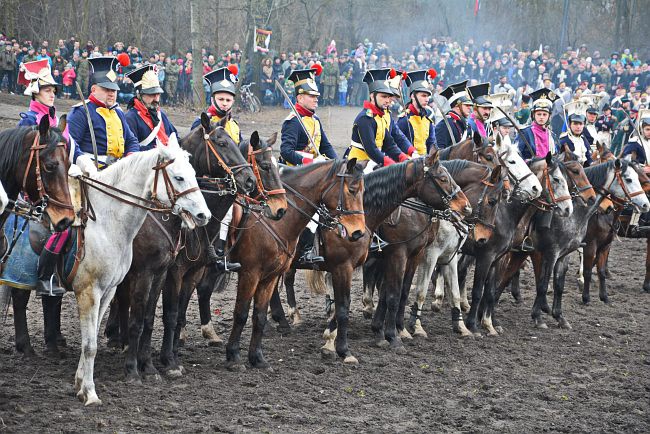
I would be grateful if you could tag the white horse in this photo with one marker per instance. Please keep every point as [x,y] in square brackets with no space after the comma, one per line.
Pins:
[527,186]
[109,239]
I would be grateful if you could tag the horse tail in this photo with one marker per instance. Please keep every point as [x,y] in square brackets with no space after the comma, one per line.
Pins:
[317,282]
[373,272]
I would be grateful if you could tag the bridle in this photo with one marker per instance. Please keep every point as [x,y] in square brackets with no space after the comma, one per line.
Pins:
[44,199]
[231,171]
[516,182]
[263,195]
[476,218]
[447,198]
[628,196]
[553,200]
[575,190]
[172,193]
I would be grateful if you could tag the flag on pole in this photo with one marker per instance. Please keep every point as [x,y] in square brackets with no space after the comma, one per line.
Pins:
[262,40]
[477,7]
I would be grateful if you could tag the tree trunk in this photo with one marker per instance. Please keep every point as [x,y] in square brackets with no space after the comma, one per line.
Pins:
[197,64]
[217,25]
[85,16]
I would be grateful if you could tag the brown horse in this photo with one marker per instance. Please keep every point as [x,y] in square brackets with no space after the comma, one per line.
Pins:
[267,249]
[34,160]
[385,190]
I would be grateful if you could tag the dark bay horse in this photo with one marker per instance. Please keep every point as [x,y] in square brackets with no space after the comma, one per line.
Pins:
[555,194]
[385,189]
[34,160]
[267,249]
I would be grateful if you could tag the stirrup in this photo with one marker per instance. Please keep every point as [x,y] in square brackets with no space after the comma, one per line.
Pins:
[42,289]
[308,257]
[377,244]
[526,245]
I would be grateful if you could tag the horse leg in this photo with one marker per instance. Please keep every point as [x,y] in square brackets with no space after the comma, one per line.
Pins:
[543,268]
[646,281]
[260,309]
[204,291]
[483,264]
[20,299]
[588,257]
[246,288]
[406,290]
[369,284]
[464,262]
[277,311]
[145,362]
[603,257]
[137,286]
[171,291]
[559,277]
[289,282]
[112,329]
[377,324]
[488,301]
[427,267]
[51,324]
[450,276]
[342,283]
[393,281]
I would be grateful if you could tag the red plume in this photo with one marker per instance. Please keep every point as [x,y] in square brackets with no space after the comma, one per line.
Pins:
[318,68]
[432,73]
[404,75]
[392,73]
[124,59]
[234,70]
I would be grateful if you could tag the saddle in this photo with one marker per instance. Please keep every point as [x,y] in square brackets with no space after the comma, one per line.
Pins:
[394,218]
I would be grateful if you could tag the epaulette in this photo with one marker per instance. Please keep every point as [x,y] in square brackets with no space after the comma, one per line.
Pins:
[23,115]
[80,104]
[564,134]
[369,113]
[291,116]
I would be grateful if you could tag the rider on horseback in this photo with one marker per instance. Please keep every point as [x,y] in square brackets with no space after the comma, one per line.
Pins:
[144,116]
[42,88]
[297,149]
[575,138]
[477,121]
[222,89]
[455,121]
[537,140]
[416,124]
[638,149]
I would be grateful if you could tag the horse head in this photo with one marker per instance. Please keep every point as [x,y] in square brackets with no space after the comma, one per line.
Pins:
[627,186]
[175,184]
[438,189]
[575,175]
[269,188]
[524,184]
[555,195]
[488,204]
[345,197]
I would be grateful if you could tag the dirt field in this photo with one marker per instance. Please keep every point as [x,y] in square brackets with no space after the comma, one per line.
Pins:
[595,378]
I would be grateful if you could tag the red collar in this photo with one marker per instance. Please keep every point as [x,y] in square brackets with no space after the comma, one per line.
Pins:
[146,117]
[302,111]
[413,110]
[96,101]
[454,115]
[373,108]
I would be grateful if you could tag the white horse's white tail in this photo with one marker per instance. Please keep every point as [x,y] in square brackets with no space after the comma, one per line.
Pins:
[4,200]
[317,282]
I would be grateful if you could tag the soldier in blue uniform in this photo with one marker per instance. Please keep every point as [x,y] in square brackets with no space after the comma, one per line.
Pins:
[456,118]
[590,126]
[222,96]
[144,116]
[297,149]
[113,135]
[416,123]
[638,149]
[373,131]
[574,138]
[538,135]
[477,121]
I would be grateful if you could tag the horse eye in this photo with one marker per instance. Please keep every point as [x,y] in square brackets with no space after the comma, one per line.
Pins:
[492,202]
[512,162]
[51,166]
[556,179]
[628,179]
[179,178]
[575,171]
[489,157]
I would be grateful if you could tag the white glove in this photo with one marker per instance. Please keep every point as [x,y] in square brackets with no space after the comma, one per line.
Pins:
[74,171]
[321,157]
[87,165]
[415,154]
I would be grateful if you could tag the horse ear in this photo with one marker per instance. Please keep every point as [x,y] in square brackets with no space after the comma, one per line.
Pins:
[496,174]
[350,166]
[568,155]
[44,126]
[549,158]
[255,140]
[272,139]
[432,158]
[363,164]
[205,122]
[618,164]
[63,122]
[223,121]
[173,141]
[498,141]
[478,140]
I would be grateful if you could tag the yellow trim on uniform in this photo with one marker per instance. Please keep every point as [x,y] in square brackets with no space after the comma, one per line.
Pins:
[232,128]
[114,132]
[357,153]
[420,133]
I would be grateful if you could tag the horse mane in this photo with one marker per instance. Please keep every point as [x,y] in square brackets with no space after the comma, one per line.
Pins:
[454,167]
[383,186]
[126,167]
[597,174]
[444,153]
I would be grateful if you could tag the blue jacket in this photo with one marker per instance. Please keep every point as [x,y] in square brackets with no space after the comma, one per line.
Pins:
[524,151]
[565,140]
[402,142]
[141,130]
[458,128]
[295,139]
[27,119]
[636,147]
[428,133]
[79,131]
[365,134]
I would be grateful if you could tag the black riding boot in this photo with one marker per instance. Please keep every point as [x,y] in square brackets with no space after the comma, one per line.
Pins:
[222,263]
[526,245]
[308,253]
[47,284]
[377,244]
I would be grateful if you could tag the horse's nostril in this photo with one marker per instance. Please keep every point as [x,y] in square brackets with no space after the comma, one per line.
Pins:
[535,189]
[250,184]
[280,212]
[201,217]
[357,235]
[482,241]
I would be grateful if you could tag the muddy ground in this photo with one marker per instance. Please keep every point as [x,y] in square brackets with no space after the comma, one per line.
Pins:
[594,378]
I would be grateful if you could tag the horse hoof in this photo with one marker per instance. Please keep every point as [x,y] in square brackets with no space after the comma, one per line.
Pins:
[399,349]
[539,324]
[367,314]
[436,307]
[264,366]
[420,333]
[235,367]
[53,353]
[134,379]
[93,401]
[404,334]
[208,333]
[182,369]
[382,343]
[605,299]
[465,307]
[564,324]
[114,344]
[350,360]
[173,373]
[459,328]
[499,329]
[284,330]
[27,352]
[646,287]
[585,301]
[327,354]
